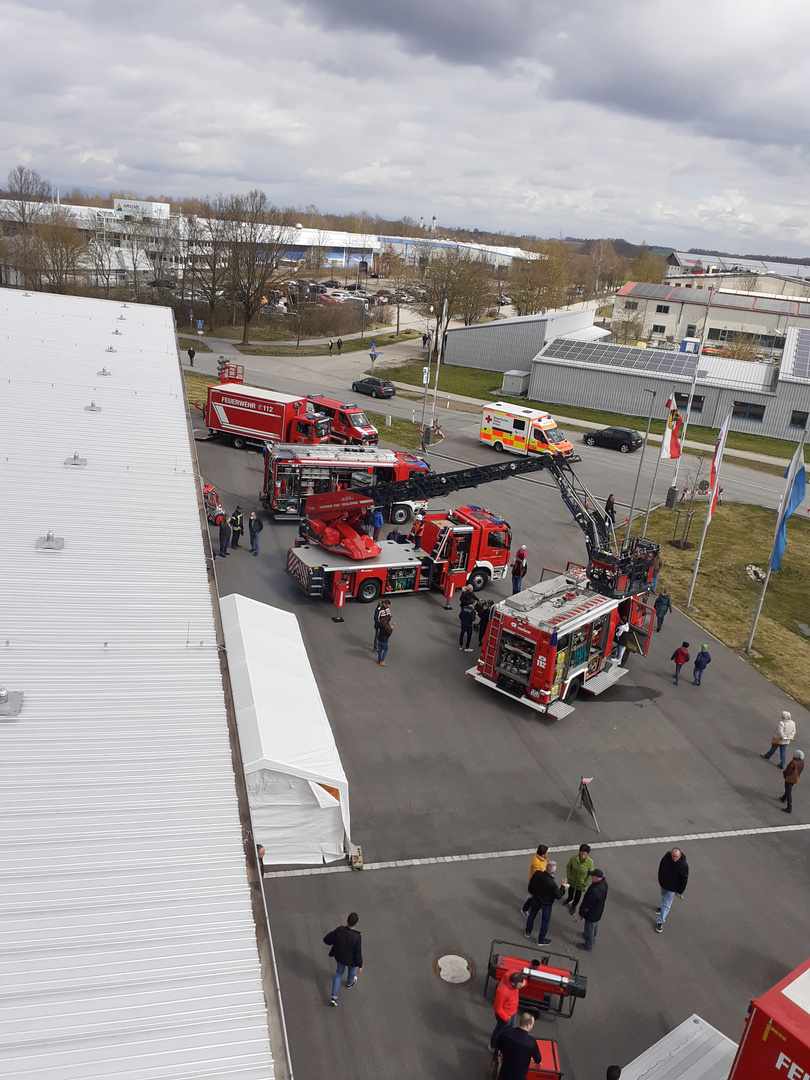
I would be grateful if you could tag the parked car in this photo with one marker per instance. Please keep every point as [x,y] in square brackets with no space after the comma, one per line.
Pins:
[374,386]
[615,438]
[331,284]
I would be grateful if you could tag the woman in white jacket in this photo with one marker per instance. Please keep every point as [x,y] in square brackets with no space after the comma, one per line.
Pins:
[785,733]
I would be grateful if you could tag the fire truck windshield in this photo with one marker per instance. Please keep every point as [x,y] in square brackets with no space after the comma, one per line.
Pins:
[498,539]
[321,428]
[359,419]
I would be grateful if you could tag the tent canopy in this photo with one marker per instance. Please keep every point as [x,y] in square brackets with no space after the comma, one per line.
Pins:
[299,795]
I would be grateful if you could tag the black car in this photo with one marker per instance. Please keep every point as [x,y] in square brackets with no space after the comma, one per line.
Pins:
[331,284]
[616,438]
[374,386]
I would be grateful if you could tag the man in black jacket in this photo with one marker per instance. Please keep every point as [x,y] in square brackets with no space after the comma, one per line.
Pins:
[346,948]
[673,874]
[518,1049]
[592,908]
[543,890]
[254,528]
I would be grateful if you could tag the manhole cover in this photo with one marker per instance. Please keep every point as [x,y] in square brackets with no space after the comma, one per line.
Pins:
[454,968]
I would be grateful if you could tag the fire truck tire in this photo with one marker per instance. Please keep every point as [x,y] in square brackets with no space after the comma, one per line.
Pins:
[238,442]
[625,448]
[590,441]
[401,514]
[369,591]
[478,579]
[498,446]
[572,693]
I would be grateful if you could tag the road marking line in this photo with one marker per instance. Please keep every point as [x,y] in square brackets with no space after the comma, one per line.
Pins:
[523,852]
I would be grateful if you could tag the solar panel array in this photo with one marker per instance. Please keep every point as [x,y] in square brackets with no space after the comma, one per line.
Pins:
[801,358]
[628,357]
[656,292]
[730,300]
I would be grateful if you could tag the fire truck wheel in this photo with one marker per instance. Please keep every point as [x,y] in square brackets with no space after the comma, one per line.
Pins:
[572,693]
[237,442]
[369,591]
[478,579]
[498,446]
[401,514]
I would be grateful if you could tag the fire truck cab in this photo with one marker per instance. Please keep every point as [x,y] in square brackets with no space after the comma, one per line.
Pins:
[552,640]
[522,431]
[349,423]
[292,473]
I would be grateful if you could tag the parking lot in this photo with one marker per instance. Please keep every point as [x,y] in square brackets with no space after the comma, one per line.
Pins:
[442,769]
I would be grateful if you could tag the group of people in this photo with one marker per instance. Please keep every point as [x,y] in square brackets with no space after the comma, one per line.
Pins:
[332,344]
[791,772]
[473,614]
[383,629]
[232,528]
[587,891]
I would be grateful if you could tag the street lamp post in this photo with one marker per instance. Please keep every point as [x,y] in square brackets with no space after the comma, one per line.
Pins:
[641,462]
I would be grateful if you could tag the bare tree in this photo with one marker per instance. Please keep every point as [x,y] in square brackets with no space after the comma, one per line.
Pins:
[258,237]
[539,283]
[602,256]
[743,346]
[60,247]
[648,267]
[475,293]
[209,251]
[28,195]
[627,326]
[443,281]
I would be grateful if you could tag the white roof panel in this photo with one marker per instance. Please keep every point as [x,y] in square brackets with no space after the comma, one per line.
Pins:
[127,941]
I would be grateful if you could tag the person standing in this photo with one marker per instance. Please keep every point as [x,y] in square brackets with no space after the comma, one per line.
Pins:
[519,567]
[424,340]
[663,604]
[347,950]
[467,617]
[681,657]
[610,509]
[254,528]
[578,872]
[484,611]
[620,639]
[783,736]
[518,1049]
[416,531]
[381,611]
[544,890]
[377,523]
[237,527]
[224,535]
[539,862]
[467,596]
[384,632]
[329,346]
[340,345]
[191,355]
[702,661]
[792,775]
[592,908]
[658,566]
[507,998]
[673,874]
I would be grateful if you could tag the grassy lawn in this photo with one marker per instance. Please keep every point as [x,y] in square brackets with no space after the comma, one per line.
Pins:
[187,340]
[308,349]
[725,598]
[486,384]
[196,386]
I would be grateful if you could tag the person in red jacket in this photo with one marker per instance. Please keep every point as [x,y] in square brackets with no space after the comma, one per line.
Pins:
[506,1004]
[681,657]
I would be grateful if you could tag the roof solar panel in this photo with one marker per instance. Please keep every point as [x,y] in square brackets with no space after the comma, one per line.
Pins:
[779,307]
[732,300]
[801,356]
[629,358]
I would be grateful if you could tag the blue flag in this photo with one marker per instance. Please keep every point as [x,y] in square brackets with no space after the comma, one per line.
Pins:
[793,497]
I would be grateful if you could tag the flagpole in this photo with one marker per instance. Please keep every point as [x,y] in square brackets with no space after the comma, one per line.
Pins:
[692,387]
[671,405]
[764,583]
[718,459]
[700,552]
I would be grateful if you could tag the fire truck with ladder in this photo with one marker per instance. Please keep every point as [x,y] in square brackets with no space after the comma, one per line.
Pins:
[469,545]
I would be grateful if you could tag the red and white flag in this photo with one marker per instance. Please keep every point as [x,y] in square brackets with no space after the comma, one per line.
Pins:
[720,446]
[671,443]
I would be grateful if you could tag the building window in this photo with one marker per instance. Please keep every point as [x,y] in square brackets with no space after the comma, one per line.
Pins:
[662,309]
[631,305]
[691,330]
[717,334]
[682,400]
[659,328]
[689,285]
[747,410]
[798,419]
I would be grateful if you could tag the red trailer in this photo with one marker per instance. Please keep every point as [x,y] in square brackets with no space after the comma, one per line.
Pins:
[251,416]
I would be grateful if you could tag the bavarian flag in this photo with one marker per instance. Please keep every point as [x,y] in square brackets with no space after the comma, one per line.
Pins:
[671,443]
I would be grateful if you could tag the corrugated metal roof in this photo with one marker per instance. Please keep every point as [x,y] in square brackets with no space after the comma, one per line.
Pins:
[730,263]
[127,941]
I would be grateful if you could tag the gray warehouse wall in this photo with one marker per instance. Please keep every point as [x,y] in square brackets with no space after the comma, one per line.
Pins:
[510,343]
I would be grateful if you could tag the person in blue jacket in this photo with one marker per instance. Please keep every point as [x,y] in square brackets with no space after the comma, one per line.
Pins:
[702,661]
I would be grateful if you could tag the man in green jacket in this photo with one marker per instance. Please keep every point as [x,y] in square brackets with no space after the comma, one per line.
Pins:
[578,877]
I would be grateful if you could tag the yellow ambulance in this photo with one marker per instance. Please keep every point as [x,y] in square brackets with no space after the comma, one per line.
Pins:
[522,431]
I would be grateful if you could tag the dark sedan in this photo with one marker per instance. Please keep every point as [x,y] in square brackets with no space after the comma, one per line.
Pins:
[615,438]
[375,387]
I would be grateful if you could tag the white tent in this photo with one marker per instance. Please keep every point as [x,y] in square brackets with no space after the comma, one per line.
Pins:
[298,792]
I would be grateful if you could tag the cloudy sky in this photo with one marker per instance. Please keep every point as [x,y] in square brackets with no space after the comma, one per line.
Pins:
[682,123]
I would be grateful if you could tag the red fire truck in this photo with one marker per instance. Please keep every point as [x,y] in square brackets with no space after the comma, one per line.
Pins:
[251,416]
[552,640]
[349,423]
[293,473]
[466,545]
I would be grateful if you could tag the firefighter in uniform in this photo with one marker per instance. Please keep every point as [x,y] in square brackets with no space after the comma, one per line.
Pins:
[237,526]
[416,532]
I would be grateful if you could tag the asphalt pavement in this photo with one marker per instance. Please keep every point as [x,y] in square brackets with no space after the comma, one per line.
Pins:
[452,780]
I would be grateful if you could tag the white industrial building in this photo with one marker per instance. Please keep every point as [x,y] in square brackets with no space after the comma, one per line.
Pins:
[764,398]
[131,915]
[685,263]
